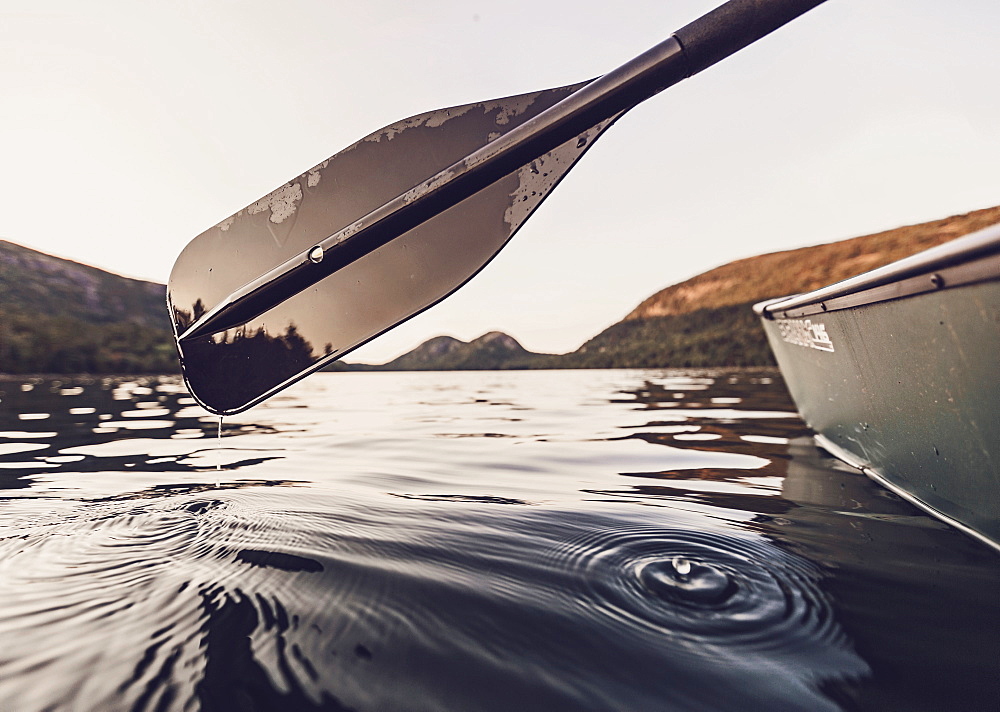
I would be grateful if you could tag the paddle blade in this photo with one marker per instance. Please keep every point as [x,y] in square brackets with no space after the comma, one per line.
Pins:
[230,371]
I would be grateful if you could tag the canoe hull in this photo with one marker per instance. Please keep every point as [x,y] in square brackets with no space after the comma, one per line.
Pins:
[905,388]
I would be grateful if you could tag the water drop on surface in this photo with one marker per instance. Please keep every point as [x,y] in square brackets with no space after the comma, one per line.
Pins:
[682,566]
[683,580]
[316,254]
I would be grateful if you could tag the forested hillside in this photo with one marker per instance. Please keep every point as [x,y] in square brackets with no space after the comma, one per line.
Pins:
[58,316]
[707,320]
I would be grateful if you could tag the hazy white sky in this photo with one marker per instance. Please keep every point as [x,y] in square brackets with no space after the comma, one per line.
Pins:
[129,127]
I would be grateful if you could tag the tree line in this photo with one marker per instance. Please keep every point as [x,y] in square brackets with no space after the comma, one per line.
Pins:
[40,343]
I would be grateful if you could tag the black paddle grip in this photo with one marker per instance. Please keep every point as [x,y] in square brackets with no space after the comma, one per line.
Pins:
[731,27]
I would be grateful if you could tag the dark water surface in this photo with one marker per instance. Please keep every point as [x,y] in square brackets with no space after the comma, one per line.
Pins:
[578,540]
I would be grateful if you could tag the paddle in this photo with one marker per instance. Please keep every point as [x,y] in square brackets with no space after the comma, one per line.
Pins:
[395,223]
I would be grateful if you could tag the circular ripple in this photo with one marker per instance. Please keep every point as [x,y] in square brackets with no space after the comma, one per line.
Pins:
[682,581]
[702,586]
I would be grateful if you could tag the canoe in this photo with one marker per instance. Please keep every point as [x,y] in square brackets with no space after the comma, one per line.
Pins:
[897,371]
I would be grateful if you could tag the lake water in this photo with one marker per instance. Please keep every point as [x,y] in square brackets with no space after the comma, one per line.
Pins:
[574,540]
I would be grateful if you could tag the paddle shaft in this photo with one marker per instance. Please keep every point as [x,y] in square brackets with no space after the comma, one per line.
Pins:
[699,45]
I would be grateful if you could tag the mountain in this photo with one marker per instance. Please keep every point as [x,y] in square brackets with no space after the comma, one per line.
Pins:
[59,316]
[34,282]
[707,320]
[492,351]
[805,269]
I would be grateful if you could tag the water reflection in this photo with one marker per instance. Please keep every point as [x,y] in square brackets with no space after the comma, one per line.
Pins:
[886,564]
[106,425]
[222,378]
[531,541]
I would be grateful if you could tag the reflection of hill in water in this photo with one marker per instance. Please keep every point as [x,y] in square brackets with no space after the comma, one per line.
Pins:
[738,455]
[229,371]
[107,426]
[715,561]
[886,563]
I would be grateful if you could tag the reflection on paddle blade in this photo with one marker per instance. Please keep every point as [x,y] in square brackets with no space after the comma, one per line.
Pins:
[234,369]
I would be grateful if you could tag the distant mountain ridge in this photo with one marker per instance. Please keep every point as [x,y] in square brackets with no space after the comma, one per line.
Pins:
[707,320]
[60,316]
[491,351]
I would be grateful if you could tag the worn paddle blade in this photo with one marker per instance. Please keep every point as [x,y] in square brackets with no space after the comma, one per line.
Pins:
[230,371]
[407,216]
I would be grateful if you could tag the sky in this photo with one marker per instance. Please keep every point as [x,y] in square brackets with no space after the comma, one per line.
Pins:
[127,128]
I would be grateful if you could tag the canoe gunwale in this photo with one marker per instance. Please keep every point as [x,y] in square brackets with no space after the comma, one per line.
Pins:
[966,260]
[895,372]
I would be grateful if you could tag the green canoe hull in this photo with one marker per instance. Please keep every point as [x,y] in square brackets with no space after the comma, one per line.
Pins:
[897,372]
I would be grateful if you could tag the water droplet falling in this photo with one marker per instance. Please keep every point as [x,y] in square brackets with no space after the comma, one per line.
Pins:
[316,254]
[218,452]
